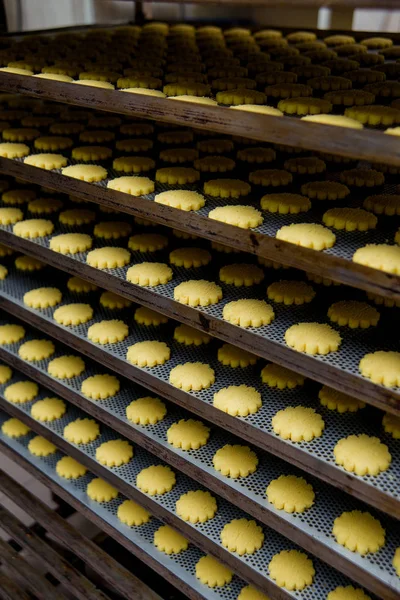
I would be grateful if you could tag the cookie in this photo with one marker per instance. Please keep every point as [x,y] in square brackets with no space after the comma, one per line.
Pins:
[290,493]
[396,561]
[325,190]
[69,468]
[382,367]
[21,392]
[308,235]
[108,332]
[235,461]
[93,83]
[114,453]
[148,353]
[91,153]
[147,242]
[292,570]
[9,216]
[242,536]
[196,506]
[198,293]
[133,164]
[298,424]
[170,541]
[182,199]
[246,217]
[149,274]
[39,446]
[113,301]
[135,186]
[359,532]
[192,376]
[134,145]
[290,292]
[276,376]
[156,480]
[46,161]
[101,491]
[77,216]
[12,150]
[304,106]
[353,314]
[349,219]
[100,387]
[285,203]
[190,257]
[240,97]
[71,243]
[248,313]
[9,334]
[80,286]
[48,409]
[33,228]
[179,155]
[42,297]
[146,411]
[227,188]
[235,357]
[177,175]
[132,514]
[313,338]
[248,592]
[108,257]
[212,573]
[391,424]
[188,434]
[14,428]
[53,142]
[28,263]
[73,314]
[92,136]
[240,400]
[89,173]
[362,454]
[6,251]
[81,431]
[347,593]
[383,204]
[379,256]
[66,367]
[189,336]
[5,374]
[339,401]
[44,206]
[3,272]
[214,164]
[35,350]
[148,317]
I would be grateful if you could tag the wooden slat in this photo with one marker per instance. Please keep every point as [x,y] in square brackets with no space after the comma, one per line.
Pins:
[9,590]
[35,582]
[60,568]
[363,144]
[119,578]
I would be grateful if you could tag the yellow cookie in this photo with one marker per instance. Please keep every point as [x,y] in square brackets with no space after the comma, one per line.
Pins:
[281,377]
[189,257]
[196,506]
[21,392]
[9,334]
[188,434]
[9,216]
[350,219]
[148,317]
[362,454]
[42,297]
[238,400]
[379,256]
[133,164]
[304,105]
[308,235]
[71,243]
[77,216]
[113,301]
[108,257]
[396,561]
[148,353]
[48,409]
[347,593]
[391,424]
[256,155]
[69,468]
[383,204]
[354,314]
[36,350]
[80,286]
[170,541]
[298,424]
[271,177]
[89,173]
[135,186]
[235,461]
[81,431]
[5,251]
[190,336]
[242,536]
[132,514]
[290,493]
[12,150]
[3,272]
[53,143]
[73,314]
[147,242]
[114,453]
[14,428]
[212,573]
[313,338]
[227,188]
[235,357]
[100,387]
[101,491]
[359,532]
[177,175]
[215,146]
[5,374]
[245,217]
[248,313]
[290,292]
[250,593]
[214,164]
[46,161]
[382,367]
[18,196]
[66,367]
[285,203]
[325,190]
[33,228]
[156,480]
[292,570]
[192,376]
[91,153]
[39,446]
[182,199]
[240,96]
[146,411]
[179,155]
[45,206]
[149,274]
[198,292]
[339,401]
[108,332]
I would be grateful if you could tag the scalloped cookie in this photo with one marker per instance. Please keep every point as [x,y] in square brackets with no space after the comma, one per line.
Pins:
[246,217]
[71,243]
[349,219]
[347,593]
[292,570]
[186,200]
[339,401]
[194,376]
[362,454]
[250,593]
[146,411]
[108,332]
[73,314]
[382,367]
[108,257]
[325,190]
[48,409]
[149,274]
[291,494]
[81,431]
[285,203]
[290,292]
[226,188]
[353,314]
[69,468]
[383,204]
[298,423]
[33,228]
[359,532]
[42,297]
[114,453]
[39,446]
[379,256]
[89,173]
[156,480]
[190,257]
[66,367]
[280,377]
[101,491]
[212,573]
[198,292]
[170,541]
[148,353]
[313,338]
[238,400]
[189,336]
[248,313]
[188,434]
[147,242]
[80,286]
[9,216]
[14,428]
[35,350]
[44,206]
[9,334]
[5,374]
[132,514]
[391,424]
[46,161]
[135,186]
[235,461]
[242,536]
[21,392]
[148,317]
[13,150]
[308,235]
[196,506]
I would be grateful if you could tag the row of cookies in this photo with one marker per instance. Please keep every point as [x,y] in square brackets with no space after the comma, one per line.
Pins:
[279,491]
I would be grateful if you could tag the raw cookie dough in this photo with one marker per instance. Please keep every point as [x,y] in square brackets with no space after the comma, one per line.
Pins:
[280,377]
[11,150]
[184,334]
[196,506]
[198,292]
[362,454]
[66,367]
[308,235]
[112,230]
[108,332]
[33,228]
[132,514]
[39,446]
[382,367]
[81,431]
[9,334]
[77,216]
[347,593]
[48,409]
[290,292]
[113,301]
[313,338]
[81,286]
[192,376]
[21,392]
[108,257]
[181,199]
[14,428]
[170,541]
[44,206]
[353,314]
[114,453]
[339,401]
[71,243]
[148,353]
[391,424]
[242,536]
[156,480]
[100,387]
[69,468]
[359,532]
[147,242]
[149,274]
[189,258]
[248,313]
[135,186]
[9,216]
[298,424]
[73,314]
[235,461]
[146,411]
[241,274]
[235,357]
[101,491]
[238,400]
[212,573]
[148,317]
[379,256]
[292,570]
[35,350]
[42,297]
[188,434]
[90,173]
[246,217]
[250,593]
[46,161]
[5,374]
[285,203]
[290,493]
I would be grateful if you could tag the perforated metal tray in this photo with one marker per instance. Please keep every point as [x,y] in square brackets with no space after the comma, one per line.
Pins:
[382,491]
[338,369]
[311,529]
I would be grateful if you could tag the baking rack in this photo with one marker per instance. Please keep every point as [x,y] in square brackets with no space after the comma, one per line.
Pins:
[336,490]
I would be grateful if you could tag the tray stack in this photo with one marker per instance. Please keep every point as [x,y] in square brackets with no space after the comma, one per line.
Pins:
[332,273]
